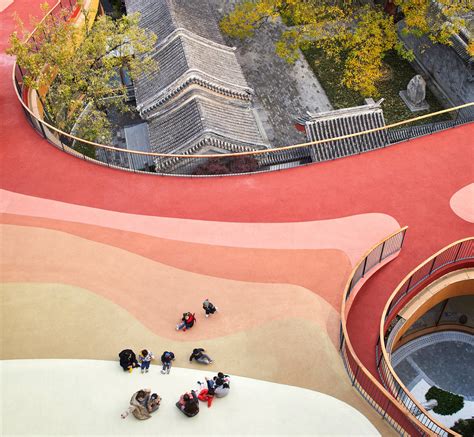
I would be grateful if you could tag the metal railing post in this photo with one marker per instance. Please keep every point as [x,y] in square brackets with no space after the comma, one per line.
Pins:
[459,250]
[355,376]
[42,129]
[381,252]
[365,265]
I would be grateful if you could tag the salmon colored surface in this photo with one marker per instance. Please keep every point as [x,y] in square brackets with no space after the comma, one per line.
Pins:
[153,293]
[253,265]
[462,203]
[349,234]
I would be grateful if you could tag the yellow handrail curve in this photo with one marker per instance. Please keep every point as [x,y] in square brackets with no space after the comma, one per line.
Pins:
[249,153]
[383,318]
[348,343]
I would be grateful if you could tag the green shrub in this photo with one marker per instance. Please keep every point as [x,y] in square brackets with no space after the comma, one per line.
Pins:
[448,403]
[464,427]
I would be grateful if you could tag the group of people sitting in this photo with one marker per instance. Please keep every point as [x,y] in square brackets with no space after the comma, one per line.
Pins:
[189,319]
[128,360]
[143,402]
[218,387]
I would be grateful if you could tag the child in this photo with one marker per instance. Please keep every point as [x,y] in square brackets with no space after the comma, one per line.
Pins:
[145,358]
[206,394]
[222,390]
[208,307]
[200,357]
[128,360]
[187,321]
[166,359]
[189,404]
[221,379]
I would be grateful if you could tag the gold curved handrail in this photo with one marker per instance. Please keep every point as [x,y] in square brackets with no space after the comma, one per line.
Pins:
[383,319]
[347,289]
[227,155]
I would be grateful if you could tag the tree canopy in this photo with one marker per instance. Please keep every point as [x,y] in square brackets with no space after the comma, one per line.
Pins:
[77,67]
[358,31]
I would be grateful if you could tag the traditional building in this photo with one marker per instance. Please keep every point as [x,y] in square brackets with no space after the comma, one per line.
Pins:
[198,100]
[341,122]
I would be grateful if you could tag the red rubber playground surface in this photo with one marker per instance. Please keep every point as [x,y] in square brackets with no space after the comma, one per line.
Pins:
[411,182]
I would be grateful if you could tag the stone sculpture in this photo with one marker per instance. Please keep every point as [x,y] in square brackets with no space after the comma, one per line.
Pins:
[416,89]
[414,96]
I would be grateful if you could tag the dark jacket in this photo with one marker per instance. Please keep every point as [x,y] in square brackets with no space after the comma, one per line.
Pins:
[191,407]
[127,359]
[167,359]
[197,353]
[190,321]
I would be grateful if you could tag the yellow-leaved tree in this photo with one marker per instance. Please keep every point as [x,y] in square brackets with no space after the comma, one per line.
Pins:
[358,31]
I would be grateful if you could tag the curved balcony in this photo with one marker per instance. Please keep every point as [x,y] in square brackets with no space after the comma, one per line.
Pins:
[394,402]
[412,297]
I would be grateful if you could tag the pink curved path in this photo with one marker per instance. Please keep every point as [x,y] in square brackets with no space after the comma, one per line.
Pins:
[462,203]
[412,182]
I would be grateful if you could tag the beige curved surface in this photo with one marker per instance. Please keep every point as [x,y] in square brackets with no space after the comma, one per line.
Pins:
[89,396]
[154,293]
[462,203]
[351,234]
[85,326]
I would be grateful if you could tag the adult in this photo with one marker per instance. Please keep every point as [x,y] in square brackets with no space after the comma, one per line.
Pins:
[188,404]
[142,404]
[128,360]
[199,355]
[187,321]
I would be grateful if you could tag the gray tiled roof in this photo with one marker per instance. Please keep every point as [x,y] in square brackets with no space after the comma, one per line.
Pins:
[346,121]
[199,98]
[183,61]
[165,16]
[196,118]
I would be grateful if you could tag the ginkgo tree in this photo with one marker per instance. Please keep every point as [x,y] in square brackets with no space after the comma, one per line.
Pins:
[357,32]
[76,67]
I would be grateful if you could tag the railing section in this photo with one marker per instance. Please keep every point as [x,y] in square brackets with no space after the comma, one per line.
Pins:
[232,163]
[457,252]
[365,383]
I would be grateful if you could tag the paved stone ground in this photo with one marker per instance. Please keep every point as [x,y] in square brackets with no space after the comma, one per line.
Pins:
[283,91]
[447,364]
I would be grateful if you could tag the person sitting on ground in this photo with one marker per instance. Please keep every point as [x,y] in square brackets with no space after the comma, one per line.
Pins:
[188,404]
[153,403]
[200,357]
[220,379]
[208,307]
[142,404]
[128,360]
[145,358]
[206,394]
[222,390]
[166,359]
[187,321]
